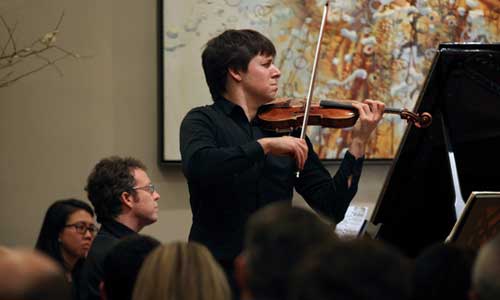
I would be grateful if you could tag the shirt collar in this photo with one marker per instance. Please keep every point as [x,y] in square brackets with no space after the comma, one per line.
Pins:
[117,229]
[225,105]
[232,110]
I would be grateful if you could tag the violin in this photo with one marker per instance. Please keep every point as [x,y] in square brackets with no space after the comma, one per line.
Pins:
[287,114]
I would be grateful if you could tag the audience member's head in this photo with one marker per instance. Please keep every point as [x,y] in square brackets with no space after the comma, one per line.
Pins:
[443,271]
[67,232]
[357,269]
[31,275]
[276,238]
[181,271]
[120,189]
[486,271]
[122,264]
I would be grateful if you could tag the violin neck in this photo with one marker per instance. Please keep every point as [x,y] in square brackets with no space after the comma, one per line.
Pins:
[345,105]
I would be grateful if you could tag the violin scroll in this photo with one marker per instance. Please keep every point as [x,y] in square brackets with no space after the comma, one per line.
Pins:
[422,120]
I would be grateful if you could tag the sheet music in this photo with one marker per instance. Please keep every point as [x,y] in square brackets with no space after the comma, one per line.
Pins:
[351,225]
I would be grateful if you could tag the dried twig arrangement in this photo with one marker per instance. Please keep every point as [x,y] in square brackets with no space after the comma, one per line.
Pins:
[43,49]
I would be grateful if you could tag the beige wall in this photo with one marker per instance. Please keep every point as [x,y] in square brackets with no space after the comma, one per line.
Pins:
[54,129]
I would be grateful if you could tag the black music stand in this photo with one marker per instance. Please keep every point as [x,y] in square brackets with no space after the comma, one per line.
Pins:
[369,230]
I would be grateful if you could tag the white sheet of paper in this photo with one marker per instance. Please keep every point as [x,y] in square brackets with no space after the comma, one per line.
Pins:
[351,225]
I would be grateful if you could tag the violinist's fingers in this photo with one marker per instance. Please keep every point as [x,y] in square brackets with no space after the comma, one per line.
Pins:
[286,145]
[367,110]
[303,147]
[304,150]
[362,109]
[380,110]
[372,106]
[299,161]
[370,113]
[301,153]
[376,108]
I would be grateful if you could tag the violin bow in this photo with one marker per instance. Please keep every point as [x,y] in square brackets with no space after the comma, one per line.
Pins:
[313,74]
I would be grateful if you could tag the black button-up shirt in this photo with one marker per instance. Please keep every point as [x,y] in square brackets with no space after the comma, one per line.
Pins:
[229,176]
[109,235]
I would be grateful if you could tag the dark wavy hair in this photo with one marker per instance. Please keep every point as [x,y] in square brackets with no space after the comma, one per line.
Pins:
[108,180]
[443,271]
[232,49]
[354,269]
[55,219]
[276,238]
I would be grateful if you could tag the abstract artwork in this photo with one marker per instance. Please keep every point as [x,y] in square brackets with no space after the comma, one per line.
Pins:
[376,49]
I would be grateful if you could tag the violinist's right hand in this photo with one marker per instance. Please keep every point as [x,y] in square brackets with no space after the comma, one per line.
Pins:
[286,145]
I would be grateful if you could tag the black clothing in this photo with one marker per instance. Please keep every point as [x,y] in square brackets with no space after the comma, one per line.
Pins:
[227,266]
[75,279]
[110,233]
[230,177]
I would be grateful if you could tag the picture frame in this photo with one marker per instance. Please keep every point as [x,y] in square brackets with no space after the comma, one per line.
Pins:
[371,50]
[478,222]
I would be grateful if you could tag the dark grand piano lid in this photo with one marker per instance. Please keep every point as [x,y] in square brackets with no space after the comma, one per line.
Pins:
[462,92]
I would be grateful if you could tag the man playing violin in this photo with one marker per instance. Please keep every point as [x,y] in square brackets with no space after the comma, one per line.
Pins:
[233,167]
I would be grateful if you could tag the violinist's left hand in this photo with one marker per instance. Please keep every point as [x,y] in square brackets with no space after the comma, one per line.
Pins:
[370,114]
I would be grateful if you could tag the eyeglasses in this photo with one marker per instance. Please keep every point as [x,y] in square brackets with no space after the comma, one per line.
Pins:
[148,188]
[82,228]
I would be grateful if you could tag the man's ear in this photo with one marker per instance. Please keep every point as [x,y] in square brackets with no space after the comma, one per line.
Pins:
[127,199]
[102,291]
[234,74]
[473,295]
[240,272]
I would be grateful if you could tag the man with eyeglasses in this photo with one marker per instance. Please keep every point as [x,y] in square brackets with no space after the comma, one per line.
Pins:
[125,201]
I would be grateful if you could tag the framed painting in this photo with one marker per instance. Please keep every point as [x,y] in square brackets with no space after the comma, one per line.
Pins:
[374,49]
[479,221]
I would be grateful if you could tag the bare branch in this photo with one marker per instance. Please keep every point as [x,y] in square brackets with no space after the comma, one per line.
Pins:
[60,21]
[6,76]
[43,48]
[48,61]
[10,40]
[73,54]
[10,64]
[9,82]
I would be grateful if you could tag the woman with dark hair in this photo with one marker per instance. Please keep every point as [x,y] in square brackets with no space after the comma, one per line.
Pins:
[67,233]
